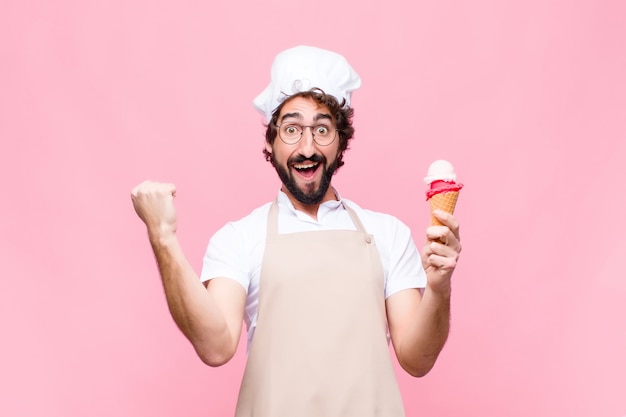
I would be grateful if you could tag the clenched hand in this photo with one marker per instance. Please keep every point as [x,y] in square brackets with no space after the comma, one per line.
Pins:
[441,251]
[154,204]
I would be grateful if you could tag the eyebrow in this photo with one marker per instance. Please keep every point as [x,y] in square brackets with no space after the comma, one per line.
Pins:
[319,116]
[290,116]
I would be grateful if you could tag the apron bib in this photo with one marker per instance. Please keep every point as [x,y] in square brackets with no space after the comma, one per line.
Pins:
[320,345]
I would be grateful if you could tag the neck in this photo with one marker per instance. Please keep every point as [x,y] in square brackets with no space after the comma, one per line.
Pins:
[310,209]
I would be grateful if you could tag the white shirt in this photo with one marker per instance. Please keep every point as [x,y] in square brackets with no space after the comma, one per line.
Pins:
[236,250]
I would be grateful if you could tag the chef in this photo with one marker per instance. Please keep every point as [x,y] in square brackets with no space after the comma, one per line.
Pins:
[322,284]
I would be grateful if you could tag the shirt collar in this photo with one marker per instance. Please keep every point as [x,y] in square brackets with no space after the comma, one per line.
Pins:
[325,207]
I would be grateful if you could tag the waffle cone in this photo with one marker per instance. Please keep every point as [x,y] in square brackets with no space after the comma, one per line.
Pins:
[443,201]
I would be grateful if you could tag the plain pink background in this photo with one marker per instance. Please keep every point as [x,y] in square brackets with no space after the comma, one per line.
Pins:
[527,99]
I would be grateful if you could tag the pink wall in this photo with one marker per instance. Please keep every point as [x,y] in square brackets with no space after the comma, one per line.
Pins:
[527,99]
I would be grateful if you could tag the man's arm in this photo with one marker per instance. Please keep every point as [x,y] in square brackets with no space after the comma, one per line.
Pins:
[419,324]
[210,317]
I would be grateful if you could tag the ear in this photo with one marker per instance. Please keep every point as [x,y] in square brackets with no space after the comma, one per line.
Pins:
[268,147]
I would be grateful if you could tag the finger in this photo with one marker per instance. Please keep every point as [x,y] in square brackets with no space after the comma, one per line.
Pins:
[427,249]
[142,188]
[167,190]
[448,219]
[438,234]
[447,251]
[150,191]
[435,261]
[137,188]
[443,235]
[156,188]
[450,240]
[441,262]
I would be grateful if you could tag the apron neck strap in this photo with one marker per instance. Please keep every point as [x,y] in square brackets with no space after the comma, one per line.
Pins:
[272,219]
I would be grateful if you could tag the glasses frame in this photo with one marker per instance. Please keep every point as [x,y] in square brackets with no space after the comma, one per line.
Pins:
[302,133]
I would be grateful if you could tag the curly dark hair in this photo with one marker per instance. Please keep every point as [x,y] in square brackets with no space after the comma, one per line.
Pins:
[342,115]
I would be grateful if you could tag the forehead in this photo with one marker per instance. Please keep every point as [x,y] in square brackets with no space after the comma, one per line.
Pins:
[301,107]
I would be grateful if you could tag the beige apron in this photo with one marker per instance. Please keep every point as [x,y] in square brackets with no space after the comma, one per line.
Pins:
[320,344]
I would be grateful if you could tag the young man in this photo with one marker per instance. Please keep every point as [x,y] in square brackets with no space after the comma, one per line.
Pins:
[319,281]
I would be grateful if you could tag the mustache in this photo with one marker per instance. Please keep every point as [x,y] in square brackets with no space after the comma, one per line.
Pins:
[298,159]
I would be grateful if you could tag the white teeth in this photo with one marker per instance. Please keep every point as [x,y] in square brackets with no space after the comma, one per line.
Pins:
[304,166]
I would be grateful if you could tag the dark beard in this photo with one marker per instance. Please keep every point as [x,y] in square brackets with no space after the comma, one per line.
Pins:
[287,179]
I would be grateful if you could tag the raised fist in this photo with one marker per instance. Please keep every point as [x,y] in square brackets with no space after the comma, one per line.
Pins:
[154,204]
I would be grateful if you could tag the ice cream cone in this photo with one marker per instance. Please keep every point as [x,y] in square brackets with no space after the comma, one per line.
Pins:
[443,201]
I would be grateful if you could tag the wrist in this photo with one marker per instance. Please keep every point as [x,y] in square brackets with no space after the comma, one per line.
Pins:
[161,238]
[442,292]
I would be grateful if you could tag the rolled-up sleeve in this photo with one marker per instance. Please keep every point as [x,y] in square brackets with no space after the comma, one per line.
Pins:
[226,257]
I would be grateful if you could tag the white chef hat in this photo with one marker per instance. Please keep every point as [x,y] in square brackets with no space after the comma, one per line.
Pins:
[303,68]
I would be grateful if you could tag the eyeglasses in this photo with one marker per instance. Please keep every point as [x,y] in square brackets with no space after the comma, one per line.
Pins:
[291,133]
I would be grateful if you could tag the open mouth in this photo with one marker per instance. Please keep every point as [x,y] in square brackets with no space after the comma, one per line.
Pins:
[307,169]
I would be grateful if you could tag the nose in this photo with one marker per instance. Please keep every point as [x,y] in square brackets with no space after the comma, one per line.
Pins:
[307,144]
